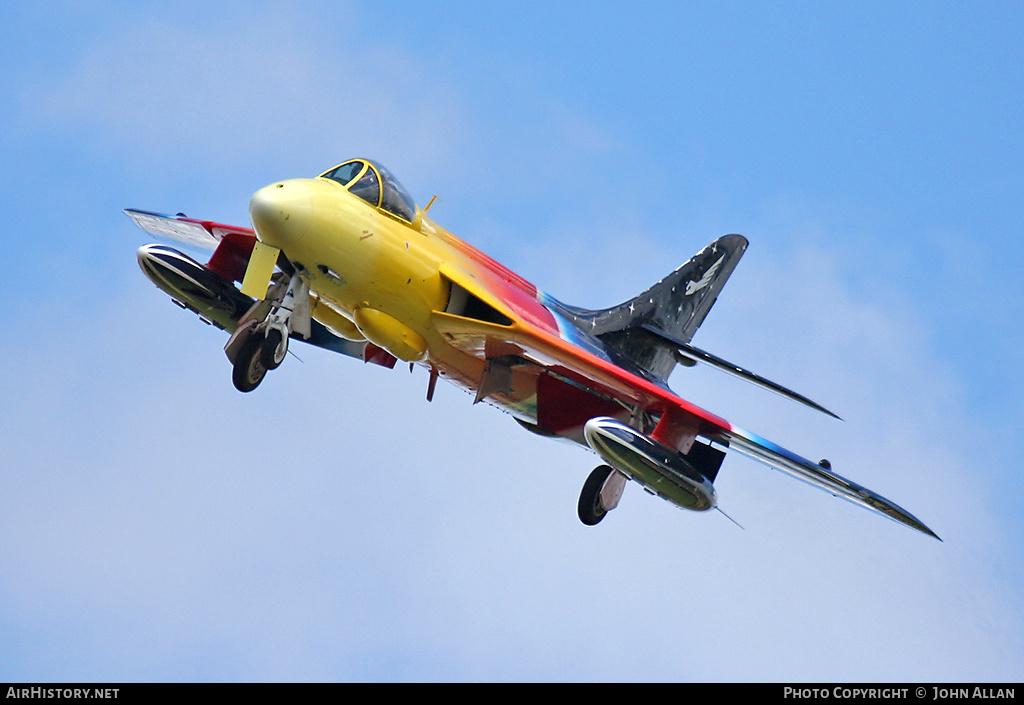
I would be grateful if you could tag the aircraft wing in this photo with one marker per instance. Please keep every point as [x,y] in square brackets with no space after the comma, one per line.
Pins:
[747,443]
[769,453]
[198,233]
[818,475]
[613,382]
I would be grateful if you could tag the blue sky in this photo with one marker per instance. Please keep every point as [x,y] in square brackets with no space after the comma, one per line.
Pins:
[157,525]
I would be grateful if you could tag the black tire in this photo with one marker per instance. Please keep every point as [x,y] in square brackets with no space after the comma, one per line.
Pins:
[589,508]
[249,369]
[268,350]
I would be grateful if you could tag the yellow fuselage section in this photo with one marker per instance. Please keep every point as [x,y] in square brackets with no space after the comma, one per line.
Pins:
[381,275]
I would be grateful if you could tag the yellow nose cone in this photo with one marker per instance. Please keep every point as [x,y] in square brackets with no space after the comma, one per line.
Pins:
[281,212]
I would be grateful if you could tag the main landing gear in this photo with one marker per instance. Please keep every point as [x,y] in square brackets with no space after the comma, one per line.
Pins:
[260,342]
[601,494]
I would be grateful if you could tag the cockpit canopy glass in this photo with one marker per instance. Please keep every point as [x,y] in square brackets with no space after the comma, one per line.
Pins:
[345,173]
[375,185]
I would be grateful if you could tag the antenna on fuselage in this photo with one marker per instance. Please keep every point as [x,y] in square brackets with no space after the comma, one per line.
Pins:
[433,198]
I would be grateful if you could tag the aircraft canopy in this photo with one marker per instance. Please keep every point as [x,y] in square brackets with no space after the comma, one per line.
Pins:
[375,185]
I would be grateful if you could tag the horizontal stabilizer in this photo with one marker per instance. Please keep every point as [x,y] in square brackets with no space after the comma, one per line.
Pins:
[697,355]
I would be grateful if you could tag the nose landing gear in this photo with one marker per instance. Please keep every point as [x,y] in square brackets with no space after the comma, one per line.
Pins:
[260,342]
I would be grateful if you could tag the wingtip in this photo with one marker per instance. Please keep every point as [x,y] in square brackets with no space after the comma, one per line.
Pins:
[914,523]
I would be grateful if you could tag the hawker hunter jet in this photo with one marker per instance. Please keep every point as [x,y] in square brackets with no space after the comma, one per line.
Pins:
[347,261]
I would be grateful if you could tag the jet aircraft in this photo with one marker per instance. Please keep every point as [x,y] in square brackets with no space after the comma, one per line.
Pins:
[348,262]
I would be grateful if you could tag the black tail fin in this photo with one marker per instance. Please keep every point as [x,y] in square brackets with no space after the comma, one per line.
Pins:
[676,306]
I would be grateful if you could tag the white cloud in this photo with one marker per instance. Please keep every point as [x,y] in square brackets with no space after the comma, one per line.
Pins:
[275,86]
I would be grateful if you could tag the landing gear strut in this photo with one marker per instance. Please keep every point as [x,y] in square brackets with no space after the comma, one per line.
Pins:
[274,348]
[260,342]
[600,494]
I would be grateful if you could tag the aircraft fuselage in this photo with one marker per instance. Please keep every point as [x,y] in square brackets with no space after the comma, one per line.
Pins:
[411,288]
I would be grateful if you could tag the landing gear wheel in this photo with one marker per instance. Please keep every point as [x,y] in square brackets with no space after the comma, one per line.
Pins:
[249,369]
[590,509]
[274,348]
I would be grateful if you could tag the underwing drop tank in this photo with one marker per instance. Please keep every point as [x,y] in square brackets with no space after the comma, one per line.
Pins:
[194,286]
[659,469]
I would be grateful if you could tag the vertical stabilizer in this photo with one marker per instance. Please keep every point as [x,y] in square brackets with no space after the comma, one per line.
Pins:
[676,305]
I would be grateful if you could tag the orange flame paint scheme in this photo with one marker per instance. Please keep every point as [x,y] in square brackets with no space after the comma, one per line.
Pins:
[348,262]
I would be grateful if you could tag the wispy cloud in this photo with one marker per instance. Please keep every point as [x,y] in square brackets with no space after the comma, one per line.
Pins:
[271,85]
